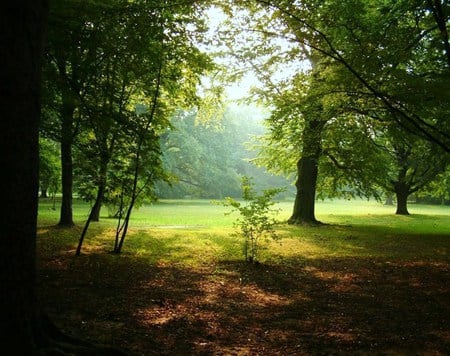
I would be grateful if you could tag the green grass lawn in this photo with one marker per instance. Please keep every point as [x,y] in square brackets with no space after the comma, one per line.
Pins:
[367,282]
[184,230]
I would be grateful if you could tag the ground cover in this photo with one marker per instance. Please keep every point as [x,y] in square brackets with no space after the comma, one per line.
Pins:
[368,282]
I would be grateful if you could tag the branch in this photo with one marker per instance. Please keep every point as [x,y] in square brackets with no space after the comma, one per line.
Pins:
[398,110]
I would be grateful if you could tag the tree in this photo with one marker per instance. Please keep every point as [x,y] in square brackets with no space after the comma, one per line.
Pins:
[65,77]
[104,57]
[396,63]
[409,165]
[148,60]
[206,157]
[20,62]
[384,66]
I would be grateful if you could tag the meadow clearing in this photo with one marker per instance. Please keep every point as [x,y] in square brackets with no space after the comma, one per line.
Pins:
[366,282]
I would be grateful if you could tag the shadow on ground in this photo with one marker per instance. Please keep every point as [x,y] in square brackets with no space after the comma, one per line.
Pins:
[300,307]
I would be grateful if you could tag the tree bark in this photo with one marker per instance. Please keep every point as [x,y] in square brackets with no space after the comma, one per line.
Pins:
[402,192]
[44,193]
[22,24]
[307,172]
[24,329]
[67,111]
[95,209]
[95,212]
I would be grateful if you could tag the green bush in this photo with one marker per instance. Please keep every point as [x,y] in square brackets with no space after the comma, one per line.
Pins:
[256,217]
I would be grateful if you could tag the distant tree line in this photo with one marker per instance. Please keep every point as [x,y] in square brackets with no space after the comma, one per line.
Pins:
[209,159]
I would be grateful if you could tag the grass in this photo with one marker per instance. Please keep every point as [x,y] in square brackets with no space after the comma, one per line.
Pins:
[174,231]
[367,282]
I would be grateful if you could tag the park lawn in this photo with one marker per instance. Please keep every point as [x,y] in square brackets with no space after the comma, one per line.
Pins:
[366,282]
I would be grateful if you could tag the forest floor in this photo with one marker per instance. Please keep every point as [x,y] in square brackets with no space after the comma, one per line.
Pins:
[329,306]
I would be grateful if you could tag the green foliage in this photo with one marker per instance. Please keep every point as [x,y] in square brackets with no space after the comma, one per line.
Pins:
[371,63]
[49,166]
[105,59]
[256,219]
[438,190]
[206,159]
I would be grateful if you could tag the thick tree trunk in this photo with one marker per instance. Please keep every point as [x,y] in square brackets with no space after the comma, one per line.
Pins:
[304,205]
[402,193]
[44,193]
[66,214]
[307,172]
[24,329]
[22,24]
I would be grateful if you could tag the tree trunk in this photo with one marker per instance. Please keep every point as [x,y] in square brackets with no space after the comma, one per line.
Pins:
[24,329]
[44,193]
[95,208]
[402,193]
[67,111]
[20,59]
[307,172]
[98,204]
[95,212]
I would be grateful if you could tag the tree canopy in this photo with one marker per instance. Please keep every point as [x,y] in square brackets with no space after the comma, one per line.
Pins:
[347,66]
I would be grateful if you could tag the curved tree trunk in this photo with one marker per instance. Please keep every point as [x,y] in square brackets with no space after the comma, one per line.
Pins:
[95,209]
[95,212]
[307,172]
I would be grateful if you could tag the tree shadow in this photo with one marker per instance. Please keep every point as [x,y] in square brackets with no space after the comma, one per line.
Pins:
[300,306]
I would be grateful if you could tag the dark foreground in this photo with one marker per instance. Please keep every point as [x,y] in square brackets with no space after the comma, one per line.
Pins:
[303,307]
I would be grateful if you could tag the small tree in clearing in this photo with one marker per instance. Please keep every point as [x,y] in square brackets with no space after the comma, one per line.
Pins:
[256,219]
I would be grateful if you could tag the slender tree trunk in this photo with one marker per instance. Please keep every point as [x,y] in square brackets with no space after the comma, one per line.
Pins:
[98,204]
[402,193]
[67,111]
[307,172]
[100,191]
[90,218]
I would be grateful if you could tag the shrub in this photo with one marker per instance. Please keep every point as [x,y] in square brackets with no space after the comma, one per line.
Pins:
[256,217]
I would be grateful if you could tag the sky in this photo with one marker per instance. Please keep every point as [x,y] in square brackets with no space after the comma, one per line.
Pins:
[241,89]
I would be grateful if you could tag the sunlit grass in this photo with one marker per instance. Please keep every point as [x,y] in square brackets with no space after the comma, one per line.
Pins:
[198,232]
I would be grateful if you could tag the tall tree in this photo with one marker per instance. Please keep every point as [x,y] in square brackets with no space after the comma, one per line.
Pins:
[384,65]
[145,56]
[22,28]
[66,75]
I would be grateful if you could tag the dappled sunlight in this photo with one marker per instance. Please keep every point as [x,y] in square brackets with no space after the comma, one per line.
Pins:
[340,281]
[349,288]
[299,306]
